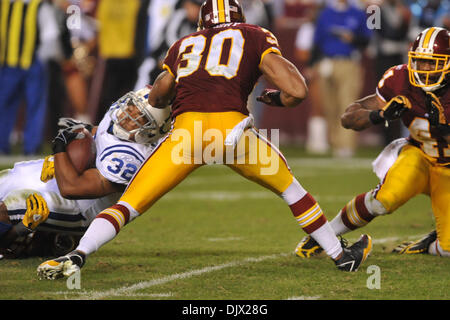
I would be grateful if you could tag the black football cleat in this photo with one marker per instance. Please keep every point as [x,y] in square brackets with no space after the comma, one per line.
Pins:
[416,247]
[308,247]
[354,256]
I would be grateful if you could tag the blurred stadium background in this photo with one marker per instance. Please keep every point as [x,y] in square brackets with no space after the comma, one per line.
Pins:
[97,50]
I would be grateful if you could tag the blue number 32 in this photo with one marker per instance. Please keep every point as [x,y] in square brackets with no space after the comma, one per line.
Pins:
[127,171]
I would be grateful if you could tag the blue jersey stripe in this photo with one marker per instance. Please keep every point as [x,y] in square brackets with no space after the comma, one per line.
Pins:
[52,215]
[142,158]
[121,151]
[60,228]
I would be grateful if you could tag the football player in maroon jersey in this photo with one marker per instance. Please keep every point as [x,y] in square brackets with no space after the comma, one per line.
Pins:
[416,93]
[207,79]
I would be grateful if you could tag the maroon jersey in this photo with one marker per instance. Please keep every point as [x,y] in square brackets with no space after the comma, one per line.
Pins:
[216,68]
[396,82]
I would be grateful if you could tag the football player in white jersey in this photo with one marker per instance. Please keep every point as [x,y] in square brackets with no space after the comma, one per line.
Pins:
[49,195]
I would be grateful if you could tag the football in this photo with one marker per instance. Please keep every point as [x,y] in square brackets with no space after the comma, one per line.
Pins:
[82,152]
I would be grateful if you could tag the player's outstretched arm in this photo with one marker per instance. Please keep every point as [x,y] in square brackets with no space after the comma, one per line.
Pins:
[357,115]
[283,74]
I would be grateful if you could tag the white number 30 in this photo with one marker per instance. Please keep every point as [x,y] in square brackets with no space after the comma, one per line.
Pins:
[192,57]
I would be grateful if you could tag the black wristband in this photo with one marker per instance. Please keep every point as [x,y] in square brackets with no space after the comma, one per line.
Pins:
[22,230]
[375,118]
[276,98]
[58,146]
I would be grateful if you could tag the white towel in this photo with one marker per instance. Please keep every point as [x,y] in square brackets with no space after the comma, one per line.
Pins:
[387,157]
[234,136]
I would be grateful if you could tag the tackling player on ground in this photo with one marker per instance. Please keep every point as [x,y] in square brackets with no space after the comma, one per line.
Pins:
[417,94]
[48,204]
[209,76]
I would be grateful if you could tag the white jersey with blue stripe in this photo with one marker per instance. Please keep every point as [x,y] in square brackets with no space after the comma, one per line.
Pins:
[118,160]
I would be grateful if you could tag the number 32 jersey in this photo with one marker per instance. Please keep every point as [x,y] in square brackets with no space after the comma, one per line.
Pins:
[118,160]
[396,82]
[217,68]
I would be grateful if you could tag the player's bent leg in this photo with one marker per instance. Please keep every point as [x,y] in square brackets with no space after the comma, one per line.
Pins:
[440,195]
[305,209]
[407,178]
[156,177]
[357,213]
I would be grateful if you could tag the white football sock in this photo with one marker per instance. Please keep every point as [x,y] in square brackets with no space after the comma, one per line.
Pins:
[99,233]
[338,226]
[436,250]
[327,240]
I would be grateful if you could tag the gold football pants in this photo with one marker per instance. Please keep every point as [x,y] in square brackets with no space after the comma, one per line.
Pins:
[197,139]
[412,174]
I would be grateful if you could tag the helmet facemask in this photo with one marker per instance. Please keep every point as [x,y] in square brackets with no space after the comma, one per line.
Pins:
[429,59]
[132,120]
[427,70]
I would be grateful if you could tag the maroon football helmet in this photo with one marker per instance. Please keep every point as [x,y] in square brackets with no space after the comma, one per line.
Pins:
[429,59]
[214,12]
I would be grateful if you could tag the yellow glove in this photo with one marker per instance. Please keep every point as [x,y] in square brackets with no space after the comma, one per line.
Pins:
[395,107]
[37,211]
[48,169]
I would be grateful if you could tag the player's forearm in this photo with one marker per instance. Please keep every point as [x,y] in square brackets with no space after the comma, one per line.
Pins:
[67,177]
[356,118]
[290,101]
[90,184]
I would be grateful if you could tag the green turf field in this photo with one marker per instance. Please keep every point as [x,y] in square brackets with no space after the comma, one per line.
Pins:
[217,236]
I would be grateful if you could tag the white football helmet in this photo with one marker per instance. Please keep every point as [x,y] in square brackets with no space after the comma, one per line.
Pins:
[145,132]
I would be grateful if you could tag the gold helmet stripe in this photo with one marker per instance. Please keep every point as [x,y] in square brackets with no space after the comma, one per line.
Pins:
[427,37]
[221,8]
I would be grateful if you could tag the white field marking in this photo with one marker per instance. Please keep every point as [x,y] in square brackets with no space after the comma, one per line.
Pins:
[304,298]
[239,195]
[352,163]
[224,239]
[129,290]
[390,239]
[94,295]
[82,292]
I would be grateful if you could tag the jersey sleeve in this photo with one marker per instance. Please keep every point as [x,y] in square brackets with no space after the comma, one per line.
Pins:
[119,163]
[266,42]
[171,59]
[392,83]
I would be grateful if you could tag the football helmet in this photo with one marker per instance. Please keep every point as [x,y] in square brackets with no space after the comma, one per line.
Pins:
[213,12]
[429,59]
[134,108]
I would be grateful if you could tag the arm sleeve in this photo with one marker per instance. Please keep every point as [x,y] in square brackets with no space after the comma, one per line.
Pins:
[266,42]
[390,84]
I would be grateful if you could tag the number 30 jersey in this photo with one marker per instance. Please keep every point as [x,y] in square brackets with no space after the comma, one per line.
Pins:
[217,68]
[118,160]
[396,82]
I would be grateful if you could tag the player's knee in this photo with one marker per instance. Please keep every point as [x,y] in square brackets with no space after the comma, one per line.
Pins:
[293,193]
[377,206]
